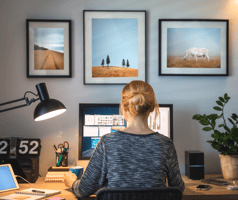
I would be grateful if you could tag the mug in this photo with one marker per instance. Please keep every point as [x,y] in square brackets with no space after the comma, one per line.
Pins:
[77,170]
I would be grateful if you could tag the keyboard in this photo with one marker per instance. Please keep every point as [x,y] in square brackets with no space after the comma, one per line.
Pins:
[215,182]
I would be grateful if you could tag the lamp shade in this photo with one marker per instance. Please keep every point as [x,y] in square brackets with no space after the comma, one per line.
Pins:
[48,109]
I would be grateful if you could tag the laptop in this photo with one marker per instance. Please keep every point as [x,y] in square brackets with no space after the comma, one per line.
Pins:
[8,180]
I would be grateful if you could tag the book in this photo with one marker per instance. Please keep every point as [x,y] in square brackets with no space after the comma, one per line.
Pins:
[57,169]
[54,178]
[29,195]
[56,174]
[54,167]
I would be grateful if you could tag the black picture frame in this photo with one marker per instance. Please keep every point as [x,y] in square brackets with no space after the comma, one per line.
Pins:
[82,106]
[49,49]
[184,39]
[94,71]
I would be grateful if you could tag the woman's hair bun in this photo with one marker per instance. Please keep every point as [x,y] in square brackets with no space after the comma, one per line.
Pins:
[138,98]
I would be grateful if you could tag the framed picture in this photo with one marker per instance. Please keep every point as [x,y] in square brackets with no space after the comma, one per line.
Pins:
[48,48]
[193,47]
[114,46]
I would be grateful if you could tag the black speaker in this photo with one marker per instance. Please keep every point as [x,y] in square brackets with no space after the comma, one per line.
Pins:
[194,165]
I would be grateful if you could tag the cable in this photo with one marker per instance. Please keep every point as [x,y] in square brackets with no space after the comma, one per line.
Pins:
[232,187]
[23,179]
[31,93]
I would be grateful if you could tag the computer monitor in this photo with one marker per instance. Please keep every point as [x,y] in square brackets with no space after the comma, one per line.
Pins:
[96,120]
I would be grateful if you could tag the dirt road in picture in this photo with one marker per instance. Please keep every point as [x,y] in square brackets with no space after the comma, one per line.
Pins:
[179,62]
[112,71]
[48,60]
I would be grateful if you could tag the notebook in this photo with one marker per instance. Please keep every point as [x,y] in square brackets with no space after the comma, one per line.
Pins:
[29,195]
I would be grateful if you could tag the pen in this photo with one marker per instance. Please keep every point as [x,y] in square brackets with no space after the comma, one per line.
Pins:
[60,158]
[38,191]
[54,147]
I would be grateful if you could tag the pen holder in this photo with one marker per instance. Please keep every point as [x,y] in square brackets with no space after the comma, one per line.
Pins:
[62,159]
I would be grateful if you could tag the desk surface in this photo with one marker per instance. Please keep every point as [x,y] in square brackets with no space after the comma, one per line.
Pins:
[216,192]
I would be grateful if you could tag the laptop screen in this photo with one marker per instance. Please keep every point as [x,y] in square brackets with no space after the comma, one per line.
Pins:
[7,178]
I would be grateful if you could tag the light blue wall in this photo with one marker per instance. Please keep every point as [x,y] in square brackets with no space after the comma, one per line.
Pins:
[189,95]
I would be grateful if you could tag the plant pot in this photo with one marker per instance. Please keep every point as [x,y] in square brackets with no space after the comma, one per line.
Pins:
[229,165]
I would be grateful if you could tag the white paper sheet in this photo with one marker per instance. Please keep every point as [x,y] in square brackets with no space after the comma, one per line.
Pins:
[162,123]
[89,120]
[164,126]
[89,131]
[118,120]
[104,130]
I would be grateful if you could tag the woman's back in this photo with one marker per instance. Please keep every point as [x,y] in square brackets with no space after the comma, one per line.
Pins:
[123,160]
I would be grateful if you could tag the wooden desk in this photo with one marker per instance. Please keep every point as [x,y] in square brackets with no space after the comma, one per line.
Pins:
[190,193]
[216,192]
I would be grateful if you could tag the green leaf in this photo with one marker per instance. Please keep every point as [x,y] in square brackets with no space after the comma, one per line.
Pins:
[204,122]
[197,117]
[213,117]
[231,121]
[207,129]
[217,108]
[221,99]
[221,125]
[233,148]
[234,115]
[208,117]
[225,96]
[227,129]
[213,123]
[217,132]
[215,146]
[219,103]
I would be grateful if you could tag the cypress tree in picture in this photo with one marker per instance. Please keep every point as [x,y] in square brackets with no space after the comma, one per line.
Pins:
[108,60]
[123,63]
[127,63]
[102,64]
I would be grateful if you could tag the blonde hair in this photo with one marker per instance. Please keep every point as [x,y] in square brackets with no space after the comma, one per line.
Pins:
[138,98]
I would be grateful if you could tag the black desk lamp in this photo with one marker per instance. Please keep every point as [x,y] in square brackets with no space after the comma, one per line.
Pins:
[46,109]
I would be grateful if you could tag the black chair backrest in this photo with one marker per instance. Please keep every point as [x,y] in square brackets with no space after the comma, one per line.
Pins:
[168,193]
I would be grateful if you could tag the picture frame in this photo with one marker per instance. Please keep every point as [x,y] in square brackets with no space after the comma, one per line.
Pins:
[48,48]
[114,46]
[193,47]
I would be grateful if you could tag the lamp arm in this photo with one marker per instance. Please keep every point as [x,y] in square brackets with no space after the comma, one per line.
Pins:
[21,99]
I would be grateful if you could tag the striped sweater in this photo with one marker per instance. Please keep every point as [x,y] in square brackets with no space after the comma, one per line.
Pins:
[123,160]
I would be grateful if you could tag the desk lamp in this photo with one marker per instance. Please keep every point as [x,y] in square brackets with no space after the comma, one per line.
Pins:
[46,109]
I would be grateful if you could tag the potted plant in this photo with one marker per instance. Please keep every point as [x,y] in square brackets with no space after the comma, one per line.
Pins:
[226,140]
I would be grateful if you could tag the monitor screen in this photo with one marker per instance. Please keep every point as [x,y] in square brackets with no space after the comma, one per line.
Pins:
[7,178]
[96,120]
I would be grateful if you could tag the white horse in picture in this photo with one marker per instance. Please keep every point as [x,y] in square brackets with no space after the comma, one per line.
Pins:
[194,52]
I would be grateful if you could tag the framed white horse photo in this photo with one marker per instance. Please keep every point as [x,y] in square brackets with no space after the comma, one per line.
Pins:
[193,47]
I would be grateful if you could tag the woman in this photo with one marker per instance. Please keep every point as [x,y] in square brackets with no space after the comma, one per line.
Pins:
[134,157]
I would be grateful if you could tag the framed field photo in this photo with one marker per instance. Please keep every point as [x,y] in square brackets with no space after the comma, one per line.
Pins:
[193,47]
[48,48]
[114,46]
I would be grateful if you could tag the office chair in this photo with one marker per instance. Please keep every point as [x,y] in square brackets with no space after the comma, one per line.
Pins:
[168,193]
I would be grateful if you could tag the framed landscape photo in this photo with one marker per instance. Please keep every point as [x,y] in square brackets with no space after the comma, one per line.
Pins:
[48,48]
[193,47]
[114,46]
